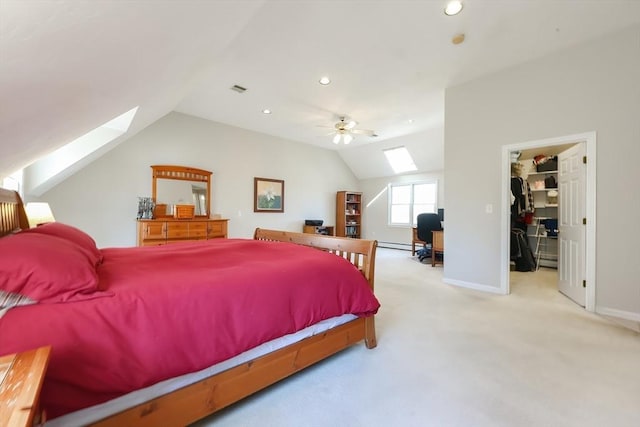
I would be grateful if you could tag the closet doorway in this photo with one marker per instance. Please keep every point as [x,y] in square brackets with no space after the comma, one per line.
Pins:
[555,229]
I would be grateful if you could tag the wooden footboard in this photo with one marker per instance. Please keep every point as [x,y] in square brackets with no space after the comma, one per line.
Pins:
[360,252]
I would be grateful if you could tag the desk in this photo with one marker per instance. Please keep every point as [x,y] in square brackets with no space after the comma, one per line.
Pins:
[415,240]
[22,375]
[327,230]
[437,247]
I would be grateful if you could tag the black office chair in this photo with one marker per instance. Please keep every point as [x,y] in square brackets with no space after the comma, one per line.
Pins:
[427,222]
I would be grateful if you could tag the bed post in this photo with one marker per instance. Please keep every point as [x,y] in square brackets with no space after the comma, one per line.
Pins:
[370,332]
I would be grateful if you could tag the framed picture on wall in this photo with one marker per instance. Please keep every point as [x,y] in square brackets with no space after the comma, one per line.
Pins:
[268,195]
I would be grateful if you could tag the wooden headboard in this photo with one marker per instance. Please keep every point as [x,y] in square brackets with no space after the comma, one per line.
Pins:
[12,214]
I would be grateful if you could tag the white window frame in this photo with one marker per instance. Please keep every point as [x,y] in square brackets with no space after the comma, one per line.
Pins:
[411,222]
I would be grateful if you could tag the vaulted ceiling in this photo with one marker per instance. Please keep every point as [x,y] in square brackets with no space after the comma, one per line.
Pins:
[69,66]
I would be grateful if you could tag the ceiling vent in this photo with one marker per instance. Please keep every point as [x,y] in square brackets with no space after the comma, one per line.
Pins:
[238,88]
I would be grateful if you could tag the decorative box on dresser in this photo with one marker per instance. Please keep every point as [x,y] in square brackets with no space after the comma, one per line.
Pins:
[163,231]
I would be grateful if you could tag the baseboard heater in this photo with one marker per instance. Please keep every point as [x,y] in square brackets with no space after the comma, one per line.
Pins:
[393,245]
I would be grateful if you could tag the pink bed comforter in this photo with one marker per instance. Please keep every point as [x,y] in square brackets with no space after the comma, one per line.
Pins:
[176,309]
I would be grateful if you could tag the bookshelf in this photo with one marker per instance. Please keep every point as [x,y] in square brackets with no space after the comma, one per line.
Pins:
[349,214]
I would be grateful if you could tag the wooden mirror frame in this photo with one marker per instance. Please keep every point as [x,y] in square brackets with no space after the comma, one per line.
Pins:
[181,173]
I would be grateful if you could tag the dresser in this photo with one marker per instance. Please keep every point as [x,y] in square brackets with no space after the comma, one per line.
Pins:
[163,231]
[21,377]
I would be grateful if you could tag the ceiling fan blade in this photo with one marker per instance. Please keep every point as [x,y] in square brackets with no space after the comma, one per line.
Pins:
[350,124]
[363,132]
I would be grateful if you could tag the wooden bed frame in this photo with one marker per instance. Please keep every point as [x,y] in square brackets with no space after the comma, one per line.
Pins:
[198,400]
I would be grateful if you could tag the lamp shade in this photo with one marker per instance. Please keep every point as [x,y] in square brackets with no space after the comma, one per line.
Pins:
[39,213]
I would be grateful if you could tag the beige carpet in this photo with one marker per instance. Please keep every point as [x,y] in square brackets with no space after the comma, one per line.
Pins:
[448,356]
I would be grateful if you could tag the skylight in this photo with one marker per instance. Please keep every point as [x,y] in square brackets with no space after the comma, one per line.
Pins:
[400,159]
[52,168]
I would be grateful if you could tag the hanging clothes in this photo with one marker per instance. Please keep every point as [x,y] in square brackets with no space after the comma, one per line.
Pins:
[522,202]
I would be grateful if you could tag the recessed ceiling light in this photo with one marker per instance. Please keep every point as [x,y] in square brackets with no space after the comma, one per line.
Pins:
[266,111]
[453,8]
[324,80]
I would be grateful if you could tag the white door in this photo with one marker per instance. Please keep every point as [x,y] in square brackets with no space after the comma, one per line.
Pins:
[571,229]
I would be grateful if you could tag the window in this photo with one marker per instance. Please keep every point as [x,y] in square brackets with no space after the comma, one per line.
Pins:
[406,201]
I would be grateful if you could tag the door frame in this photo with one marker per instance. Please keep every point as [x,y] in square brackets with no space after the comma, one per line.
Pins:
[589,139]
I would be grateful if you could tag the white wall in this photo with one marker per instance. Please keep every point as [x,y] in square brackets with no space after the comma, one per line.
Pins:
[376,212]
[592,87]
[101,199]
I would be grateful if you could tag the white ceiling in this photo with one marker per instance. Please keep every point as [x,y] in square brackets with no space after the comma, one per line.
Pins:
[67,67]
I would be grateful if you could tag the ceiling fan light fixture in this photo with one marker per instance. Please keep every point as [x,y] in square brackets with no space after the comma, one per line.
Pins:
[453,8]
[345,131]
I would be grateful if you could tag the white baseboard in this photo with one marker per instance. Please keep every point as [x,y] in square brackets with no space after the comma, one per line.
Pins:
[628,319]
[475,286]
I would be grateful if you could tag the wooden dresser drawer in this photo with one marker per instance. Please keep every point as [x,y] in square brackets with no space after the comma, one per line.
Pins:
[198,230]
[217,229]
[177,230]
[154,230]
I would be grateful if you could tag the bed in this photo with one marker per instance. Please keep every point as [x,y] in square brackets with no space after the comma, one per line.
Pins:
[158,378]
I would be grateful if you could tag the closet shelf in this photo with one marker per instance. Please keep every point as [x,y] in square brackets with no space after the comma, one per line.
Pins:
[542,173]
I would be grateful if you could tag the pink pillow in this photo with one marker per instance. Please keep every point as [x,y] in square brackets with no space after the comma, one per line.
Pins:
[72,234]
[46,268]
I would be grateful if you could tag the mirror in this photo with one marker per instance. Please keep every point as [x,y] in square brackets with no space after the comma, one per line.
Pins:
[179,185]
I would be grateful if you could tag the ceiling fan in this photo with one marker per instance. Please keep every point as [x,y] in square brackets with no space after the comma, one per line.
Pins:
[345,130]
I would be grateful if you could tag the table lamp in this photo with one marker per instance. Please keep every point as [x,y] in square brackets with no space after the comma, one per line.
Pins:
[39,213]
